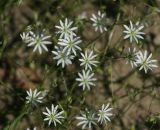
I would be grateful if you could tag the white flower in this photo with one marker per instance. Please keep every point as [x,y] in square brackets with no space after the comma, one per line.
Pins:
[25,36]
[70,44]
[88,60]
[145,62]
[65,28]
[34,97]
[104,113]
[131,57]
[133,32]
[33,129]
[53,116]
[86,120]
[99,21]
[86,79]
[62,57]
[39,41]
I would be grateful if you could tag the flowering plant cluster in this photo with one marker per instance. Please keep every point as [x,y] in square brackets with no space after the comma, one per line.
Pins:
[80,64]
[143,61]
[66,50]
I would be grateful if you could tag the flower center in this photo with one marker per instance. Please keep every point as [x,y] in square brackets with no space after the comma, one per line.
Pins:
[87,61]
[65,29]
[133,33]
[52,116]
[99,22]
[70,44]
[38,40]
[63,55]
